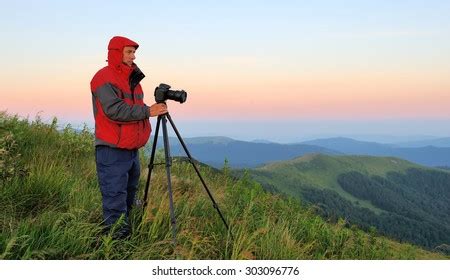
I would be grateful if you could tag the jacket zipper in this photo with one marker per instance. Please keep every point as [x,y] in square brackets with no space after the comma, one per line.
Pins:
[138,140]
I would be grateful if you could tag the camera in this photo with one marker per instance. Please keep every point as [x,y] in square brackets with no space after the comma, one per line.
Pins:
[163,92]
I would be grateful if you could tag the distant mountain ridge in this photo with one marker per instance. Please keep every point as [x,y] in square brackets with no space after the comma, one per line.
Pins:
[429,155]
[349,145]
[439,142]
[242,154]
[239,154]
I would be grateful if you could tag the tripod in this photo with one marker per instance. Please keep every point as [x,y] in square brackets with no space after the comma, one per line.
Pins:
[168,161]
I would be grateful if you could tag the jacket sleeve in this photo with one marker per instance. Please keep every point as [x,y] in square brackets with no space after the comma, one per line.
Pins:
[116,108]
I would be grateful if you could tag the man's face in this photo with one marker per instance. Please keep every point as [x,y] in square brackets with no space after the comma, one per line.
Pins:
[128,55]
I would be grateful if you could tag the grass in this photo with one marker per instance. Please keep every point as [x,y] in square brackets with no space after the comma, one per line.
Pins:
[50,208]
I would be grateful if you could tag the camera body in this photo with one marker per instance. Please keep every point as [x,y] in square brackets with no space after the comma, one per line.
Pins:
[163,92]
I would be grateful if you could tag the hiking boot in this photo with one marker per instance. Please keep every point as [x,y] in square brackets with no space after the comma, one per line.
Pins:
[124,233]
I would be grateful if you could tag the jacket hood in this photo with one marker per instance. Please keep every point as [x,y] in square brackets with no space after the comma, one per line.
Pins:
[115,50]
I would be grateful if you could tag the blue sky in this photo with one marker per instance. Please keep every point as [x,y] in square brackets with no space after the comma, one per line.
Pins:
[330,67]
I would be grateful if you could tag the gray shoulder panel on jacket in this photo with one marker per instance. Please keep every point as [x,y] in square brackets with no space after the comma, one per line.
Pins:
[116,108]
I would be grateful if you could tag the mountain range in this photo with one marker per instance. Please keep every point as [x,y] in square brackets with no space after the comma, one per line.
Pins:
[426,155]
[242,154]
[391,188]
[239,154]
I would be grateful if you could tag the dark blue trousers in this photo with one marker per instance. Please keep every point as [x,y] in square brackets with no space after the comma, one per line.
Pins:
[118,172]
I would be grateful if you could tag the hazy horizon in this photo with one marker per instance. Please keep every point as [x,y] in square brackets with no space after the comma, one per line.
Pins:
[291,131]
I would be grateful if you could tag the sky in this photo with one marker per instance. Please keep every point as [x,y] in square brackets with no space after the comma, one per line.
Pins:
[275,70]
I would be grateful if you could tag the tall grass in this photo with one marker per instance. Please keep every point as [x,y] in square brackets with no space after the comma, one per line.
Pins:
[50,208]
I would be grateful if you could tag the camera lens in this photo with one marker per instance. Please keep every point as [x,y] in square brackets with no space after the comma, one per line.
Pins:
[177,95]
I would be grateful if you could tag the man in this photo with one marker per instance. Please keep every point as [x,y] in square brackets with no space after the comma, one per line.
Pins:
[121,127]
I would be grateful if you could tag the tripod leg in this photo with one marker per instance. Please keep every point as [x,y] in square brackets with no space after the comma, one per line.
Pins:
[150,165]
[196,169]
[169,181]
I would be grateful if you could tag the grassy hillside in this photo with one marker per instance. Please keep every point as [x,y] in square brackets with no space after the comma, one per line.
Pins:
[401,199]
[50,208]
[322,171]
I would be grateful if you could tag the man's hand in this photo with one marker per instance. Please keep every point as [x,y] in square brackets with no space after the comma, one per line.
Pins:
[157,109]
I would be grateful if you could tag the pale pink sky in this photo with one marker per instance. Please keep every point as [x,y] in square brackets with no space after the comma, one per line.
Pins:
[244,61]
[323,96]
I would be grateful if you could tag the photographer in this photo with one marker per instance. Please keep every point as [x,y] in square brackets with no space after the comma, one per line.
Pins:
[121,127]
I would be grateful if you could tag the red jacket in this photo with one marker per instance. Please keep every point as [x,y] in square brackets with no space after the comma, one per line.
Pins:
[121,117]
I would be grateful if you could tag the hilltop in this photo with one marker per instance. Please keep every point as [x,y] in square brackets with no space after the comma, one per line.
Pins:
[51,209]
